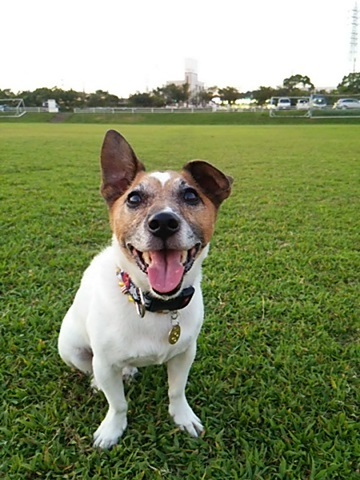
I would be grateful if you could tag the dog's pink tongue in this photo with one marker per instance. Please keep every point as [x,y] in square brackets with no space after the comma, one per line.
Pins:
[165,271]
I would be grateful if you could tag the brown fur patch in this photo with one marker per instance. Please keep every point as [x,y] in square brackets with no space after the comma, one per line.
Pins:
[125,221]
[203,216]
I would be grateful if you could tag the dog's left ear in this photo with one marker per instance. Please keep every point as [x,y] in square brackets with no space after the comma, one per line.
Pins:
[215,184]
[119,166]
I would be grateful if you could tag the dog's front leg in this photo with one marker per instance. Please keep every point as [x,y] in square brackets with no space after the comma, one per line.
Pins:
[178,370]
[110,381]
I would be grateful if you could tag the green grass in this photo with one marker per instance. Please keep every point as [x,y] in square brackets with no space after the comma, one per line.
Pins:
[179,118]
[275,380]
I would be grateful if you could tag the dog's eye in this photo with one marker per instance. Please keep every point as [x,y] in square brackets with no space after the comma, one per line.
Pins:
[191,196]
[134,199]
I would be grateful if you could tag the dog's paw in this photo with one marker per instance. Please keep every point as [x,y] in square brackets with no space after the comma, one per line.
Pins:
[110,430]
[186,420]
[129,373]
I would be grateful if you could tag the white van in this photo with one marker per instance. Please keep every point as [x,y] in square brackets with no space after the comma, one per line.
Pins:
[284,103]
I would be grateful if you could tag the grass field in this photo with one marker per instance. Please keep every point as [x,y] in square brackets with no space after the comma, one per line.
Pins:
[275,380]
[329,117]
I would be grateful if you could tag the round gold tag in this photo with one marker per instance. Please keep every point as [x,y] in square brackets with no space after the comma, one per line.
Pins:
[174,334]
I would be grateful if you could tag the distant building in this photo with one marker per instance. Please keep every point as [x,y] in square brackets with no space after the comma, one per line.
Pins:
[191,78]
[51,105]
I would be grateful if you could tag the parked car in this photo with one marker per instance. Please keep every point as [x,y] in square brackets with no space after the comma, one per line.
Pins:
[284,103]
[302,104]
[318,102]
[345,103]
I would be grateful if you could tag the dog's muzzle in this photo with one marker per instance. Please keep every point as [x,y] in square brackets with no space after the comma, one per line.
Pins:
[165,268]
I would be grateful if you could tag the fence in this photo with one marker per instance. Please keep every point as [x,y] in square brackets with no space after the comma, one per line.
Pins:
[36,109]
[164,110]
[316,106]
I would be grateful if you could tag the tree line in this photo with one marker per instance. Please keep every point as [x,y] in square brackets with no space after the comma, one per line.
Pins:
[179,95]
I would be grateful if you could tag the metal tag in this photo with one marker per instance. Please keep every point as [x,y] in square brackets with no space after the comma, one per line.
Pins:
[174,334]
[140,307]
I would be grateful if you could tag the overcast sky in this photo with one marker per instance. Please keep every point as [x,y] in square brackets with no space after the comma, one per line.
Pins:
[124,46]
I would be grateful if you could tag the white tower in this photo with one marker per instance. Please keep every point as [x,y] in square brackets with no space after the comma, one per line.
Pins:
[354,36]
[191,77]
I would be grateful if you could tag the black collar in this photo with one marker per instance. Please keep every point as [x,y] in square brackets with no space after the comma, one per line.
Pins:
[146,302]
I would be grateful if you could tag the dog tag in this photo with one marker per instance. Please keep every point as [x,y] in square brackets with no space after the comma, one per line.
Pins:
[174,334]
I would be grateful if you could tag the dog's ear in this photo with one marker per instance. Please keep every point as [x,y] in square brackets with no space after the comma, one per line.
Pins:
[119,166]
[215,184]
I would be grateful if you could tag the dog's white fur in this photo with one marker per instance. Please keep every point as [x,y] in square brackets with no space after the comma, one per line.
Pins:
[103,335]
[102,319]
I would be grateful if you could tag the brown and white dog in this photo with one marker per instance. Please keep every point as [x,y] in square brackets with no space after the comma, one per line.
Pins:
[162,223]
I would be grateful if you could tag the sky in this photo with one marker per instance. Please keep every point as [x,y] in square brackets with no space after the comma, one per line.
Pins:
[125,46]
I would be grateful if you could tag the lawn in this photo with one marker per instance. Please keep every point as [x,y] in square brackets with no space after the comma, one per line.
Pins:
[275,379]
[292,117]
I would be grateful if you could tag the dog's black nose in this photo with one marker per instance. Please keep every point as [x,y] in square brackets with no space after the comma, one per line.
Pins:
[164,224]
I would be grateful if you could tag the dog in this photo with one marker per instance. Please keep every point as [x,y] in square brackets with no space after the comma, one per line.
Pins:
[140,302]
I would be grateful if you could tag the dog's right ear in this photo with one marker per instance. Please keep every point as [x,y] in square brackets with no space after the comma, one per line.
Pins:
[119,166]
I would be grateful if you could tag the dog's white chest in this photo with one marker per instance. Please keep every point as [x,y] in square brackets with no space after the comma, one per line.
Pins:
[138,342]
[145,358]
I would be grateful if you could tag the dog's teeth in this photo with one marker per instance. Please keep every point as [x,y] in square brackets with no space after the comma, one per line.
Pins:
[184,256]
[146,258]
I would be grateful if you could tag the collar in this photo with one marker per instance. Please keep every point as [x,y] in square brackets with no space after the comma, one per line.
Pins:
[146,302]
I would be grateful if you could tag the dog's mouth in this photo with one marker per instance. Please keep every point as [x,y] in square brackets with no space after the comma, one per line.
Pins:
[165,268]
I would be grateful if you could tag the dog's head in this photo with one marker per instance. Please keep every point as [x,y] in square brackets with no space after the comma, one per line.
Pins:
[162,221]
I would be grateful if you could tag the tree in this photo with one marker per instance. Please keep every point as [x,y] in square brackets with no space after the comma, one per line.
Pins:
[141,99]
[263,94]
[158,97]
[175,94]
[350,84]
[298,82]
[102,99]
[38,96]
[70,99]
[66,99]
[229,95]
[6,93]
[205,95]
